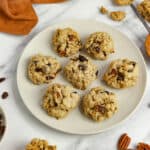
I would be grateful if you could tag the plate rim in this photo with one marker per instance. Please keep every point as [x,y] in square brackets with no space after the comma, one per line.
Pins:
[90,132]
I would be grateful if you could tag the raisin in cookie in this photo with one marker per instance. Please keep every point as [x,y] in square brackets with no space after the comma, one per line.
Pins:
[39,144]
[123,2]
[99,45]
[99,104]
[122,73]
[42,69]
[80,71]
[144,9]
[59,100]
[66,42]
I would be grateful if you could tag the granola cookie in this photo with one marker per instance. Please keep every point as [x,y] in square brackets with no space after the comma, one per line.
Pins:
[99,104]
[39,144]
[42,69]
[59,100]
[80,71]
[117,15]
[121,73]
[123,2]
[66,42]
[144,9]
[99,45]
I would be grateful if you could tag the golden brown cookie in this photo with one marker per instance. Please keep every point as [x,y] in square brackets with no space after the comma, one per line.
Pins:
[59,100]
[99,104]
[99,45]
[42,69]
[121,73]
[80,71]
[66,42]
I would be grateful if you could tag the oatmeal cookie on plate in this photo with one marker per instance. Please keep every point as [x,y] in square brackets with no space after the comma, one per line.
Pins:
[42,69]
[99,45]
[66,42]
[99,104]
[59,100]
[121,73]
[80,71]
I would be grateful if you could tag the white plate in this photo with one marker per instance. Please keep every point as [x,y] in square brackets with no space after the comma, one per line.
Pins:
[75,122]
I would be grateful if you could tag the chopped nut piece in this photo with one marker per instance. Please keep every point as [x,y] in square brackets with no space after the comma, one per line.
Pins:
[103,10]
[144,9]
[117,15]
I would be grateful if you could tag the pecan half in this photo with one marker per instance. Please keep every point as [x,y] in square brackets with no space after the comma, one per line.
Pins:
[143,146]
[124,142]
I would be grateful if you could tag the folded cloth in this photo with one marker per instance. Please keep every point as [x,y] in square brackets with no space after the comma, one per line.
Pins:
[18,16]
[46,1]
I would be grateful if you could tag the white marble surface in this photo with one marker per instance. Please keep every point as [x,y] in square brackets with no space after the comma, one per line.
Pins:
[22,126]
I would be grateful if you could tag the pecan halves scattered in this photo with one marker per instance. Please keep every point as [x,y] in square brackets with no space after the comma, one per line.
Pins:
[124,142]
[143,146]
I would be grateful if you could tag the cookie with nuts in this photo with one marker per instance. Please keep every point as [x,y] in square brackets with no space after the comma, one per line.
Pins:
[99,45]
[42,69]
[59,100]
[99,104]
[66,42]
[80,71]
[39,144]
[121,73]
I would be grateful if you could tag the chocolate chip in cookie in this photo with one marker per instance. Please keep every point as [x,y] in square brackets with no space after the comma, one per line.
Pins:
[120,76]
[82,58]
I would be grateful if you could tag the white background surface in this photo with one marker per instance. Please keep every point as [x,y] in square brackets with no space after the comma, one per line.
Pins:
[22,126]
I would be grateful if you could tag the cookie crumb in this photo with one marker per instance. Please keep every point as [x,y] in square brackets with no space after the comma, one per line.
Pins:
[2,79]
[123,2]
[117,15]
[4,95]
[103,10]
